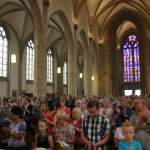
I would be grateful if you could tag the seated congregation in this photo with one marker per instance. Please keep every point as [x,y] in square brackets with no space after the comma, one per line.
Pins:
[74,123]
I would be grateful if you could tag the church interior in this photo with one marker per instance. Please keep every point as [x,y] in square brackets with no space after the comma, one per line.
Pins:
[77,47]
[74,74]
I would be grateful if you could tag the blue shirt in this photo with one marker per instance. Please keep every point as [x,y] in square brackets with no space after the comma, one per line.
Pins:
[20,127]
[134,145]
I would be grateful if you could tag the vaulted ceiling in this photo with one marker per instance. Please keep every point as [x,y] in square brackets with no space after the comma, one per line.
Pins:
[104,13]
[97,9]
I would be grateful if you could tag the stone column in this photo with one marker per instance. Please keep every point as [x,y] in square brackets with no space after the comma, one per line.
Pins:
[40,74]
[20,60]
[94,65]
[108,70]
[87,72]
[100,68]
[39,86]
[72,67]
[60,79]
[105,71]
[146,83]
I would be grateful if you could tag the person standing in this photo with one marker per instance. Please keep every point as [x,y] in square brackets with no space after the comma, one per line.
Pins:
[17,130]
[95,130]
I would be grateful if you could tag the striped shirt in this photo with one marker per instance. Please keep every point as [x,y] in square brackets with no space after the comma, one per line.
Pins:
[95,128]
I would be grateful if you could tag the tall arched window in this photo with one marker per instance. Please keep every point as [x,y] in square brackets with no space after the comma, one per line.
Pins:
[65,73]
[3,53]
[30,61]
[131,61]
[49,66]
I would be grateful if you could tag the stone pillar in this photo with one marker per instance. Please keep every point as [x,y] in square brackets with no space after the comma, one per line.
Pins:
[117,68]
[87,72]
[39,86]
[72,67]
[105,71]
[60,79]
[20,60]
[60,83]
[100,68]
[108,70]
[40,74]
[94,83]
[146,85]
[94,66]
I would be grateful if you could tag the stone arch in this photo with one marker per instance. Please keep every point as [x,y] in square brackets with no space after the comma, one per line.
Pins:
[35,11]
[121,16]
[82,36]
[127,8]
[125,34]
[66,26]
[114,56]
[59,23]
[19,8]
[30,37]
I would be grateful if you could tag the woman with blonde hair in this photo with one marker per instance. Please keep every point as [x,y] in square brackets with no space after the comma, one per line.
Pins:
[64,132]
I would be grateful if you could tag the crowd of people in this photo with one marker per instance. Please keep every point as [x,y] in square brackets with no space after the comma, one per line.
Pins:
[60,122]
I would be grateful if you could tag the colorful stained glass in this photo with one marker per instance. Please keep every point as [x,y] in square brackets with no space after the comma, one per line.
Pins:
[131,59]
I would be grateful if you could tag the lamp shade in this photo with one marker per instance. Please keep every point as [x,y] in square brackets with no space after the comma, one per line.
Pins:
[92,78]
[13,58]
[58,69]
[81,75]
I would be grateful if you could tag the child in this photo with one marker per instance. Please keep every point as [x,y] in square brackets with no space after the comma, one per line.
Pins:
[42,139]
[118,132]
[64,132]
[129,143]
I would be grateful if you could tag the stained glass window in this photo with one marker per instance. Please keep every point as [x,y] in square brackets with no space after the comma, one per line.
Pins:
[30,61]
[3,53]
[49,66]
[131,59]
[65,73]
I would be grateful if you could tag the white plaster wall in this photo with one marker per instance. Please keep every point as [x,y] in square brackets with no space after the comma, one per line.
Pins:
[29,87]
[65,90]
[3,89]
[13,66]
[50,89]
[24,71]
